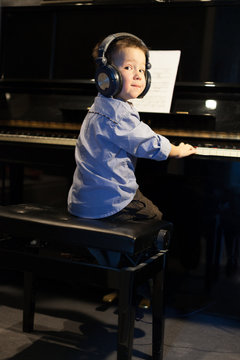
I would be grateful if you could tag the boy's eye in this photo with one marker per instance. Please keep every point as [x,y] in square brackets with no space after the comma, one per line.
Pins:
[128,67]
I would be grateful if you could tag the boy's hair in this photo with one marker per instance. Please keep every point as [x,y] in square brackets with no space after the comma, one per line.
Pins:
[118,44]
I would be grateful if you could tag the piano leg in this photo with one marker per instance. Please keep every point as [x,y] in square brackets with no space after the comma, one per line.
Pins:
[15,172]
[230,216]
[29,301]
[213,238]
[3,185]
[16,176]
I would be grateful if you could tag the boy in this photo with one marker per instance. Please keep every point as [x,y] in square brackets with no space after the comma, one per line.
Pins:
[112,137]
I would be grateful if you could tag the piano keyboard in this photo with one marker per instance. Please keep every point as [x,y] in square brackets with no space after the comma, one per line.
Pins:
[65,139]
[217,151]
[39,139]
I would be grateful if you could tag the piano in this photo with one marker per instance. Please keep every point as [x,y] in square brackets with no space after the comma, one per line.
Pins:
[46,87]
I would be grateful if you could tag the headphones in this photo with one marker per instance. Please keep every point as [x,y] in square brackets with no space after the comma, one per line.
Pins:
[107,78]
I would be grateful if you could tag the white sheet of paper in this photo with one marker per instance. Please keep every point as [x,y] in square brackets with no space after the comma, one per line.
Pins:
[163,74]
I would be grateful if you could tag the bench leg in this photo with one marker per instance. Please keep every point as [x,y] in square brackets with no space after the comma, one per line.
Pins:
[158,315]
[126,316]
[29,301]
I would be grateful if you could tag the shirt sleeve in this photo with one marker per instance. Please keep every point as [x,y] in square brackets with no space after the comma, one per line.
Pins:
[138,139]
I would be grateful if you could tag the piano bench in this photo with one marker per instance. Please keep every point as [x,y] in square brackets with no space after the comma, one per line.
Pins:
[31,230]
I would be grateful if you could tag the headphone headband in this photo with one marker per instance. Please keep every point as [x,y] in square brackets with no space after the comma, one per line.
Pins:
[103,47]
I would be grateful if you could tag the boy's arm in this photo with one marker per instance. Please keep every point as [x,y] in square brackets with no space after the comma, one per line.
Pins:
[182,150]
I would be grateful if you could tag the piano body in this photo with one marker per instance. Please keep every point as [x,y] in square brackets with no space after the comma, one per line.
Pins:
[46,87]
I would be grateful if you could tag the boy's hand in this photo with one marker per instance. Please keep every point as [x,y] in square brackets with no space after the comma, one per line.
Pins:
[182,150]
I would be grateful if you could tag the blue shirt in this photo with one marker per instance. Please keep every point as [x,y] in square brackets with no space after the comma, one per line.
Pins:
[111,138]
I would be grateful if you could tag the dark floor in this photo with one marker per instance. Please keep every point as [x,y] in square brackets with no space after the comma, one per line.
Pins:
[72,323]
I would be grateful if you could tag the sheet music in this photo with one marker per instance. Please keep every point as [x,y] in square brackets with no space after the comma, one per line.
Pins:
[163,74]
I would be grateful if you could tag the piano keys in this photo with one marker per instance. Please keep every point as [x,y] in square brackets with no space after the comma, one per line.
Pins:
[209,144]
[212,150]
[47,136]
[38,139]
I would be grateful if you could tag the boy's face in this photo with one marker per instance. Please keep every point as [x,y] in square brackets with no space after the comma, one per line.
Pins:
[131,63]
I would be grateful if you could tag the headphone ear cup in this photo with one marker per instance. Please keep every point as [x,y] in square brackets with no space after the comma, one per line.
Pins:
[108,80]
[148,84]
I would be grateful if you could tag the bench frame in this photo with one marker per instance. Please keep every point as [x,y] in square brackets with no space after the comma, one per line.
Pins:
[125,280]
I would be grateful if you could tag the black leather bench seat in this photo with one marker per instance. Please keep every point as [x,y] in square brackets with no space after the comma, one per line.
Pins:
[57,225]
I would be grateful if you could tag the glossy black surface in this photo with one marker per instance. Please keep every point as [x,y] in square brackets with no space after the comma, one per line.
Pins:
[55,42]
[45,59]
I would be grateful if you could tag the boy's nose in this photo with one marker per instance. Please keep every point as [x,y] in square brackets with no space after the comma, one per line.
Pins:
[137,75]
